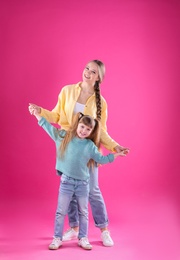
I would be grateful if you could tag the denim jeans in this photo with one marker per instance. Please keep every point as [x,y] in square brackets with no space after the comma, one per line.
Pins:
[97,203]
[70,187]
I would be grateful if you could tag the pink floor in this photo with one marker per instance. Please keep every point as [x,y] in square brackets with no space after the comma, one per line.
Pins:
[142,231]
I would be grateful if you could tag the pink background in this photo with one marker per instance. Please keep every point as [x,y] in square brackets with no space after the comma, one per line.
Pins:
[44,46]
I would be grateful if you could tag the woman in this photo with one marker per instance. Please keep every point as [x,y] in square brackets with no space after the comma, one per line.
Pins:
[85,97]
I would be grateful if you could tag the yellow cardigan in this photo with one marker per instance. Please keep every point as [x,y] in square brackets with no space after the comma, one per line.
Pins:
[63,112]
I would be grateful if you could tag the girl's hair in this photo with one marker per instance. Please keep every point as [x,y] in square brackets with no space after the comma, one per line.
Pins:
[94,124]
[101,71]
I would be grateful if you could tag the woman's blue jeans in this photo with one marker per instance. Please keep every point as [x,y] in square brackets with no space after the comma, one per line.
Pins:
[96,201]
[67,189]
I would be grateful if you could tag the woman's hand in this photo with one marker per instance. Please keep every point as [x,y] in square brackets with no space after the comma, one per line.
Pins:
[34,109]
[121,149]
[119,154]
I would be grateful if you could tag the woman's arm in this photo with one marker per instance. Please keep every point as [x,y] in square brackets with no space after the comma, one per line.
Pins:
[106,140]
[51,116]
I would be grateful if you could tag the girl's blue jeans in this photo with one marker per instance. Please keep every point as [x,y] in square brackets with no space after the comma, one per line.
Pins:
[70,187]
[97,203]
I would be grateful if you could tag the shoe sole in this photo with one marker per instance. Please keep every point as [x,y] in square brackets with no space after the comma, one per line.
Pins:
[108,245]
[85,247]
[54,248]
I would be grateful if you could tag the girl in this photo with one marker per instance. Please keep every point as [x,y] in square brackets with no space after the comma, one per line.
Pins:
[85,97]
[75,148]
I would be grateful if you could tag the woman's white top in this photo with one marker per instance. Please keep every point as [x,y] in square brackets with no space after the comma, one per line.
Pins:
[79,108]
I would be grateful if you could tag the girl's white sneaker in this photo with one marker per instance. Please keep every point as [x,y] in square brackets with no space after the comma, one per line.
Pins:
[55,244]
[84,243]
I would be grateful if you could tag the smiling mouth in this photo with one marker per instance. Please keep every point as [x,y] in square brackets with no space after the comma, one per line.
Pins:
[87,77]
[82,134]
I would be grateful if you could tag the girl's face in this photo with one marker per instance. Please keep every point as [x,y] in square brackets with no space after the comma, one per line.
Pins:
[90,73]
[83,131]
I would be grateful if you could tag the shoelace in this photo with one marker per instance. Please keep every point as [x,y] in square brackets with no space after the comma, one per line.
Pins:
[70,230]
[106,235]
[55,240]
[85,240]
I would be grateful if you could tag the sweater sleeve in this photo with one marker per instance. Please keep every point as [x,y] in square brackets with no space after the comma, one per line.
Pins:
[50,129]
[98,157]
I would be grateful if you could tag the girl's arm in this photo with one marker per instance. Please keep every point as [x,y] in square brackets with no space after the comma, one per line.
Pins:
[51,130]
[103,159]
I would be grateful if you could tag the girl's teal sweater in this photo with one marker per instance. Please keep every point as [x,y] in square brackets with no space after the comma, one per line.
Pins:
[77,154]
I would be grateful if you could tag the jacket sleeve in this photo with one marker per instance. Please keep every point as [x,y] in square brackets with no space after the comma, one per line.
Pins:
[105,138]
[50,129]
[54,115]
[98,157]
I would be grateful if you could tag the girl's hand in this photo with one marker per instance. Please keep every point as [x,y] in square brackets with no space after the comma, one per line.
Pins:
[122,153]
[34,109]
[120,149]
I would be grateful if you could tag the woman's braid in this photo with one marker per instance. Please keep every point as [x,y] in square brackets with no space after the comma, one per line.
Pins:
[98,100]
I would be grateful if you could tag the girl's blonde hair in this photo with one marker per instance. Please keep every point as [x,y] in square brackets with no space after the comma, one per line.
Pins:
[87,120]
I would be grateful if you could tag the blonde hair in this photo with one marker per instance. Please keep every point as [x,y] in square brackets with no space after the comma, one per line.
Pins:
[101,72]
[101,69]
[87,120]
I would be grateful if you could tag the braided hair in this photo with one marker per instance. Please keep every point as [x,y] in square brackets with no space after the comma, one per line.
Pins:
[101,70]
[98,100]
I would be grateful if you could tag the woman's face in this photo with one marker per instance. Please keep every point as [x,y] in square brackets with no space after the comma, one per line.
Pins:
[90,73]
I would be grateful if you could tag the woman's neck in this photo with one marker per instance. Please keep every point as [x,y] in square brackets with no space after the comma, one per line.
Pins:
[86,88]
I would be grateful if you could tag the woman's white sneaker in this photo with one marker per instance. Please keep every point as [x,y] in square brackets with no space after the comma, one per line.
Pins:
[106,238]
[70,234]
[84,243]
[55,244]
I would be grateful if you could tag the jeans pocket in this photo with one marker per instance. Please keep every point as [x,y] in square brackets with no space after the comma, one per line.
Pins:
[64,178]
